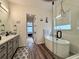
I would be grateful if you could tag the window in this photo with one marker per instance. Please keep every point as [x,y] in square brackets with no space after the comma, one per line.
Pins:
[63,21]
[63,27]
[29,27]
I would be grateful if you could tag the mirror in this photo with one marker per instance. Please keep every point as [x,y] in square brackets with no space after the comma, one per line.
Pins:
[4,13]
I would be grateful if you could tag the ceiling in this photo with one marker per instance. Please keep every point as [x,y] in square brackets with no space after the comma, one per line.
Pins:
[72,2]
[29,1]
[35,3]
[42,3]
[67,4]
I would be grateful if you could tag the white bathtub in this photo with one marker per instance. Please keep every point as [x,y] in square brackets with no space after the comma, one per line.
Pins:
[59,47]
[74,57]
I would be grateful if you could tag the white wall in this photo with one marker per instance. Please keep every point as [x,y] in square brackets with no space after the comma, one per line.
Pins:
[73,34]
[18,13]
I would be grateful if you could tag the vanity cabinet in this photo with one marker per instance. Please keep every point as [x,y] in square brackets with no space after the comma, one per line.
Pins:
[12,46]
[3,51]
[10,55]
[15,43]
[9,47]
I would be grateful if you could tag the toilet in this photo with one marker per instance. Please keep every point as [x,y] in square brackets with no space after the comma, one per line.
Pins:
[74,57]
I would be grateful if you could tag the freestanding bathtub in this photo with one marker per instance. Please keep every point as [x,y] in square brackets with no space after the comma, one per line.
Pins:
[59,47]
[74,57]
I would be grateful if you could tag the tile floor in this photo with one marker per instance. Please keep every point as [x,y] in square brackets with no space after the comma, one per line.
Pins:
[22,53]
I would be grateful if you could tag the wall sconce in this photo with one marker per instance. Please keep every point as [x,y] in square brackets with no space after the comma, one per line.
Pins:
[46,19]
[41,19]
[3,7]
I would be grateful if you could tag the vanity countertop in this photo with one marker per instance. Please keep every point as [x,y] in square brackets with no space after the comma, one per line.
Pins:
[5,39]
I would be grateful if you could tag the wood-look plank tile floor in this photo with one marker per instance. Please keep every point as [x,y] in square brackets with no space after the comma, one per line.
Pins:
[39,52]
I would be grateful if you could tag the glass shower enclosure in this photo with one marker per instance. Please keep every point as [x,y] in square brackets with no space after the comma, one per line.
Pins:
[63,39]
[61,21]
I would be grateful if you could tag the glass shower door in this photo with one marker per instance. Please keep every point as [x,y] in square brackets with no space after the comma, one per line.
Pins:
[61,22]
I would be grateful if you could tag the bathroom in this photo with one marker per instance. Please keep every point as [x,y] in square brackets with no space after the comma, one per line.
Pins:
[13,20]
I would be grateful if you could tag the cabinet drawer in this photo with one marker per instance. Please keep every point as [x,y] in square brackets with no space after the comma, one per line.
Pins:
[14,45]
[10,44]
[10,49]
[3,55]
[17,43]
[10,55]
[3,47]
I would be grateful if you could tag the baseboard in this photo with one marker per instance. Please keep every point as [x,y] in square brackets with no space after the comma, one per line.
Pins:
[40,43]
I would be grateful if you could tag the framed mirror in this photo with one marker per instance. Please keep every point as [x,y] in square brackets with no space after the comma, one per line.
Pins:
[4,13]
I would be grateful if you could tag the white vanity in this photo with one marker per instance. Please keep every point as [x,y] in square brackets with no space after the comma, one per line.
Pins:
[8,46]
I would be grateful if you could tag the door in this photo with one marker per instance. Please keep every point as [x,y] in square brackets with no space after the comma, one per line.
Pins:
[34,28]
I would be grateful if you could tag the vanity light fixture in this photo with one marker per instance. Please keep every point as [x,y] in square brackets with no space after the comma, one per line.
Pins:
[3,7]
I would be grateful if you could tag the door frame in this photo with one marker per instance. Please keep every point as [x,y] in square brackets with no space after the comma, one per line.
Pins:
[33,20]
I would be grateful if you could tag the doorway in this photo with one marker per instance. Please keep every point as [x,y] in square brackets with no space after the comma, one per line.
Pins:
[30,30]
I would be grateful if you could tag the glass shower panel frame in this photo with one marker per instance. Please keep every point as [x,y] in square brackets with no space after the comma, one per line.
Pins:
[56,8]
